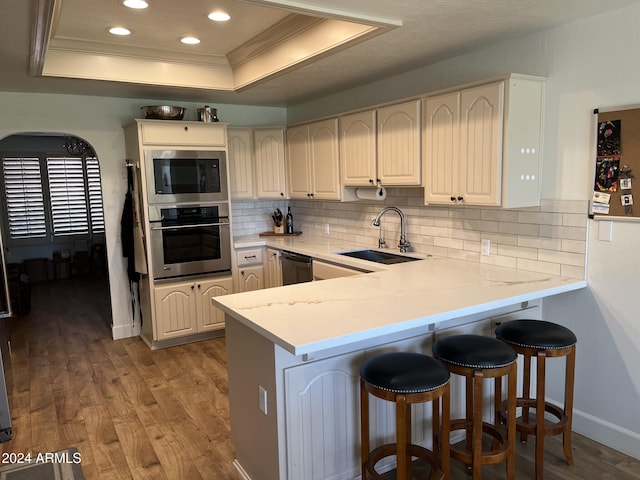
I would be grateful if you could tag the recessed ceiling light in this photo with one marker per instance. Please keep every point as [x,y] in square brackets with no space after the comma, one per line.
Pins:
[119,31]
[219,16]
[190,40]
[138,4]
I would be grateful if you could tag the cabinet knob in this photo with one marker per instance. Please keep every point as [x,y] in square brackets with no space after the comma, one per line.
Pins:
[199,286]
[186,129]
[193,287]
[242,272]
[453,199]
[371,181]
[460,198]
[282,194]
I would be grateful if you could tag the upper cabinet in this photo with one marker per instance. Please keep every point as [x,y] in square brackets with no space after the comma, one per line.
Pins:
[358,149]
[312,161]
[381,146]
[482,145]
[240,147]
[188,134]
[256,162]
[399,144]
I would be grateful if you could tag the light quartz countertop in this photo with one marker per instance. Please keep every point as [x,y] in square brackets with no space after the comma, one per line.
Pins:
[312,317]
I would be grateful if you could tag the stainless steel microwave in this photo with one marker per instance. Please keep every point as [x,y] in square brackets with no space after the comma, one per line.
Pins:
[186,176]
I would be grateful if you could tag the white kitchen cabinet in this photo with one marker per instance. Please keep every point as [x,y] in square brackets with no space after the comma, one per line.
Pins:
[250,269]
[313,161]
[270,180]
[256,163]
[398,142]
[358,149]
[326,271]
[482,145]
[273,268]
[184,308]
[241,168]
[321,418]
[187,134]
[251,278]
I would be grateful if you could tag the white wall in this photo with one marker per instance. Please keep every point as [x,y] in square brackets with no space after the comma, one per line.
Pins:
[99,121]
[592,63]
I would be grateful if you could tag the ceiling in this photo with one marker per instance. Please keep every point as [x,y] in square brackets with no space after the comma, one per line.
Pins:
[263,55]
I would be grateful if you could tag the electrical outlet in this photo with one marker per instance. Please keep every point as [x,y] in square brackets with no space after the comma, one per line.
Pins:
[262,399]
[485,248]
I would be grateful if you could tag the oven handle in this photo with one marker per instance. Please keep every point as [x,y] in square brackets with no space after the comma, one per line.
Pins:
[179,227]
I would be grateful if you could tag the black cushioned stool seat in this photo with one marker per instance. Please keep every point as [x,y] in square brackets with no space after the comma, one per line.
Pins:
[477,357]
[542,340]
[406,378]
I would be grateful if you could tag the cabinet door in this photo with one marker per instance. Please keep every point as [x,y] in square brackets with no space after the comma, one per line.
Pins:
[441,146]
[323,156]
[161,132]
[175,310]
[321,417]
[481,122]
[240,162]
[251,278]
[269,162]
[399,144]
[358,149]
[273,269]
[298,169]
[210,317]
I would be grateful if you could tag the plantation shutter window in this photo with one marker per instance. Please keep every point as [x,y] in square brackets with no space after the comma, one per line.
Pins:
[69,213]
[52,197]
[24,196]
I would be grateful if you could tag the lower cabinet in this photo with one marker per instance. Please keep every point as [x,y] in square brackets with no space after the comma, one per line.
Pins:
[273,269]
[250,278]
[322,418]
[322,409]
[184,308]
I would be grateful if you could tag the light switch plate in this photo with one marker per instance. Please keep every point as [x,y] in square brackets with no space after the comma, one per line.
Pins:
[605,230]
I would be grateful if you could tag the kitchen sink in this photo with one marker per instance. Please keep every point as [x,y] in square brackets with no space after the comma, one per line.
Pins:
[378,256]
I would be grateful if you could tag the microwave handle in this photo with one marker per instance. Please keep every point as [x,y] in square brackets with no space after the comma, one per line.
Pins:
[179,227]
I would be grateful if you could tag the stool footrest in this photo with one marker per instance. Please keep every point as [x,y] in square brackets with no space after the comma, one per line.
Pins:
[529,428]
[414,450]
[495,455]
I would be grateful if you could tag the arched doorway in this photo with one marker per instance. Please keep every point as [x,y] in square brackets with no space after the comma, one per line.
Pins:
[52,220]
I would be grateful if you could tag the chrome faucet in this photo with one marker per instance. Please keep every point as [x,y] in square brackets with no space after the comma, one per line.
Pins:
[404,244]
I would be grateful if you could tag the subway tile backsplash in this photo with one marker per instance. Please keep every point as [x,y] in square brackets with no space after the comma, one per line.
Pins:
[550,238]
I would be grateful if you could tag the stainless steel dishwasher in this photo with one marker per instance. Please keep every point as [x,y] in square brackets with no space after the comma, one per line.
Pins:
[296,268]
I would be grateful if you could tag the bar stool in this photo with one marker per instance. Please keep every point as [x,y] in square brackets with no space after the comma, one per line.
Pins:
[477,357]
[542,340]
[406,378]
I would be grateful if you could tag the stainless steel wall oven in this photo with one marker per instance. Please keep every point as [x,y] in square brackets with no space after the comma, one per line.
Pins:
[189,239]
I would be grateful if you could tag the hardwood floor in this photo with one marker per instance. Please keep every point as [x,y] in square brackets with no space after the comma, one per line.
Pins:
[132,413]
[136,414]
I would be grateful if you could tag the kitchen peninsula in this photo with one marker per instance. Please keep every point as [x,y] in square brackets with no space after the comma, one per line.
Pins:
[294,352]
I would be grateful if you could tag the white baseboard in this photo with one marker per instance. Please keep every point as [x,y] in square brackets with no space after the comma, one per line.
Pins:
[124,331]
[609,434]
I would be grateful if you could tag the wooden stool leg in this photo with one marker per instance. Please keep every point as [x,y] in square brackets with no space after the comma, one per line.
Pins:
[568,403]
[435,427]
[364,428]
[444,451]
[403,431]
[469,412]
[477,425]
[541,360]
[511,421]
[526,393]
